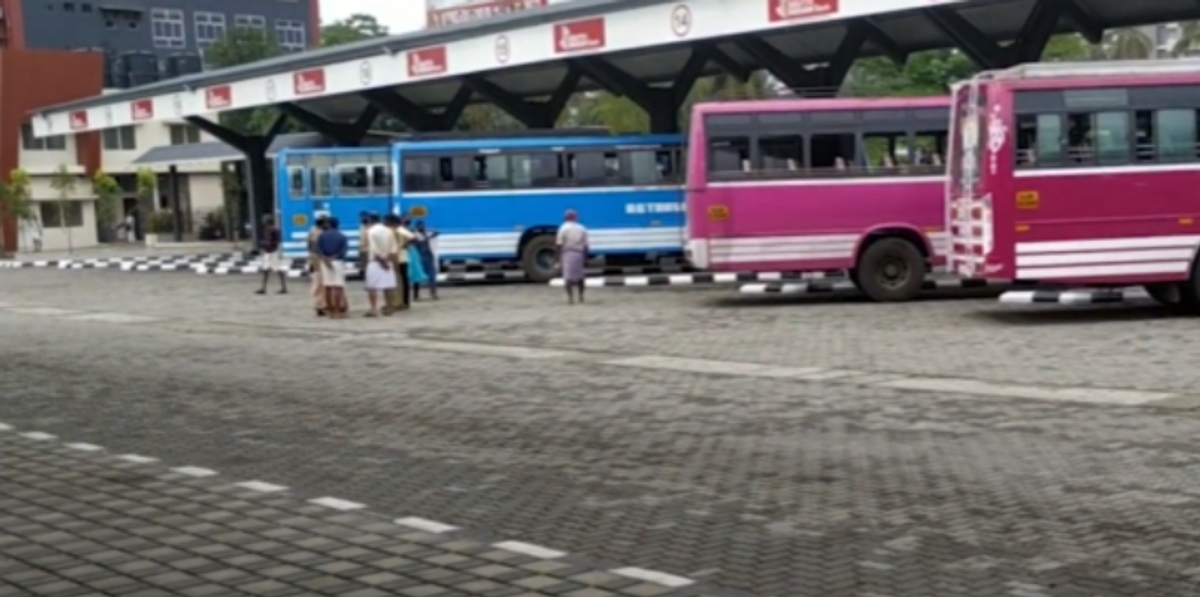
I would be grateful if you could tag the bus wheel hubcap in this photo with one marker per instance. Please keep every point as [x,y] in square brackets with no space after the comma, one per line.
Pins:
[893,272]
[545,260]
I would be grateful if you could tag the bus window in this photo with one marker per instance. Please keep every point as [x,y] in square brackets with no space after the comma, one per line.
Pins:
[643,168]
[537,170]
[491,171]
[1112,137]
[669,166]
[612,168]
[1039,140]
[729,155]
[381,179]
[322,182]
[587,169]
[296,187]
[457,172]
[420,174]
[782,156]
[880,152]
[1176,138]
[926,154]
[834,153]
[353,181]
[1081,145]
[1143,136]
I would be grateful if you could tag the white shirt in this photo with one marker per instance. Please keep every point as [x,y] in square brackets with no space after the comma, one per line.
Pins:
[382,242]
[572,235]
[403,235]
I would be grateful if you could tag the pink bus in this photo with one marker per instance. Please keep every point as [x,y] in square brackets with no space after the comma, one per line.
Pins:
[1079,175]
[800,185]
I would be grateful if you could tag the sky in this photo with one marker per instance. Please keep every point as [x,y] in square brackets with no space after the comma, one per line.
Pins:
[399,16]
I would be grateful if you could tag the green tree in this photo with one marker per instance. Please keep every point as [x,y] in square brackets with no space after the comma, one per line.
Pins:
[1128,44]
[63,182]
[243,45]
[15,202]
[1189,39]
[108,194]
[1068,47]
[147,187]
[355,27]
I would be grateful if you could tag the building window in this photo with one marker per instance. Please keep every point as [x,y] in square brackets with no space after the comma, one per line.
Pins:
[290,36]
[184,134]
[31,143]
[167,28]
[250,22]
[122,138]
[60,214]
[210,28]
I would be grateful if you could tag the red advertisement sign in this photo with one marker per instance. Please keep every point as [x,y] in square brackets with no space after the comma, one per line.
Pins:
[142,110]
[427,61]
[442,17]
[79,120]
[308,82]
[791,10]
[578,36]
[219,97]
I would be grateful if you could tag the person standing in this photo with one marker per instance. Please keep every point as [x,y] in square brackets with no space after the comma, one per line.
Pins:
[404,238]
[572,254]
[423,241]
[380,275]
[272,257]
[314,266]
[332,247]
[364,224]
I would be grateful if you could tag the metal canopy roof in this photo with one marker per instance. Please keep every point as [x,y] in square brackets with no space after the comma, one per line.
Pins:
[528,54]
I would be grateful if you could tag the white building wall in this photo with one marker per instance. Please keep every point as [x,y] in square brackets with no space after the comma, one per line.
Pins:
[202,182]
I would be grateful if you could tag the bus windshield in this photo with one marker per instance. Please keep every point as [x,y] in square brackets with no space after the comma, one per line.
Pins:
[968,138]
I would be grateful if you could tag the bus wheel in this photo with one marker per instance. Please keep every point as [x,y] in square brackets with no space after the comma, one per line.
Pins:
[1167,294]
[539,259]
[891,270]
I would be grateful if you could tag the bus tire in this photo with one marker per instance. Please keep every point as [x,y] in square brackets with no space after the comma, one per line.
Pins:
[1168,294]
[891,270]
[539,258]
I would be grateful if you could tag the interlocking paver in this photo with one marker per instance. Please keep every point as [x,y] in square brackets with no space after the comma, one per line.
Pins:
[768,485]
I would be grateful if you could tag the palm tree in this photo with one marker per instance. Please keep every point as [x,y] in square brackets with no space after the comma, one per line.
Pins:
[1128,44]
[1189,39]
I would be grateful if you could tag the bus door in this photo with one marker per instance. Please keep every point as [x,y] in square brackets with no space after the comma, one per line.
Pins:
[296,212]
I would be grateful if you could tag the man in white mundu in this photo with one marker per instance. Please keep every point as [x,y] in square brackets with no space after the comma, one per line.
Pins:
[382,250]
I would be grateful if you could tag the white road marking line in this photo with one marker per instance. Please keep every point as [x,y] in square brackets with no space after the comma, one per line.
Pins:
[137,458]
[691,365]
[85,447]
[337,504]
[262,486]
[424,524]
[194,471]
[38,435]
[5,427]
[529,549]
[47,311]
[661,578]
[112,318]
[984,388]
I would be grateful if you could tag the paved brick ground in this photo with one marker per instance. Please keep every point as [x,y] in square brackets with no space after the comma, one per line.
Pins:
[74,521]
[521,422]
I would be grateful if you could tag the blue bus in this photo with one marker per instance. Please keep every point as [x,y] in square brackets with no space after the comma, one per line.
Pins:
[497,199]
[503,199]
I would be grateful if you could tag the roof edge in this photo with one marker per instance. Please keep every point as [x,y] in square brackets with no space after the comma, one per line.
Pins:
[370,47]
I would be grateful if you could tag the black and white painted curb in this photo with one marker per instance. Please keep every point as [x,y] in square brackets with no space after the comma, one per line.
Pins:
[1077,296]
[844,285]
[695,278]
[663,579]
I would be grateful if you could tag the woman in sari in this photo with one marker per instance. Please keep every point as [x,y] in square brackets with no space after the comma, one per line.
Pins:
[423,243]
